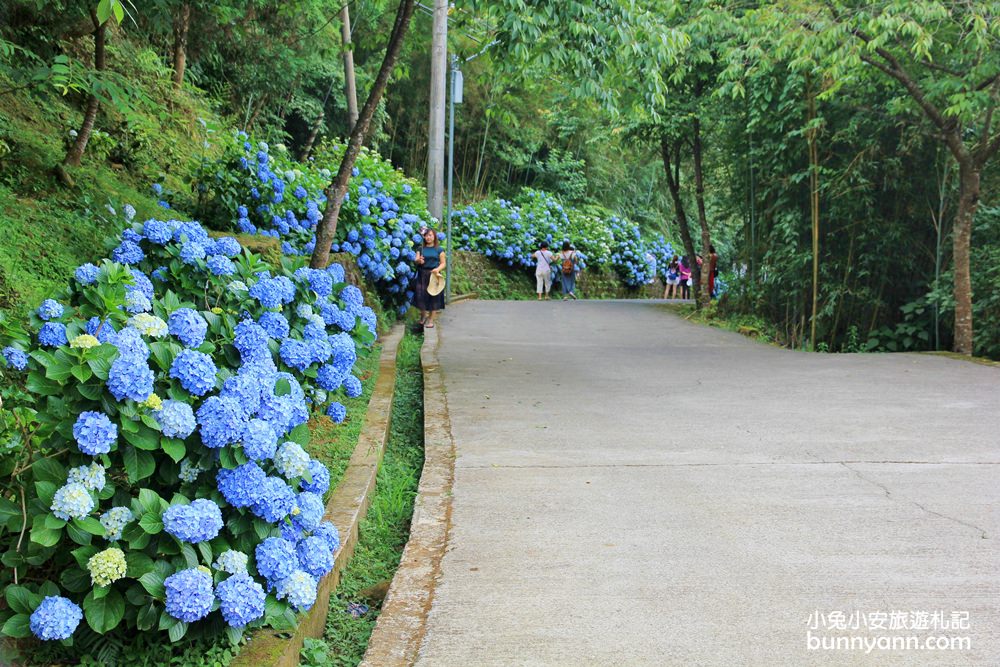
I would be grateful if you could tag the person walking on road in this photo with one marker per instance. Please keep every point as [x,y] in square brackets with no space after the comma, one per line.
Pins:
[543,270]
[713,270]
[568,270]
[672,278]
[430,260]
[685,271]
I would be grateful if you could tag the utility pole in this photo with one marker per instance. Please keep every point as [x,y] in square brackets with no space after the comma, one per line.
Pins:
[454,97]
[435,134]
[352,89]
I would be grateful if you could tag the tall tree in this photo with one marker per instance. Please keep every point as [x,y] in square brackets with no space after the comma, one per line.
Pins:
[75,153]
[944,59]
[182,26]
[338,188]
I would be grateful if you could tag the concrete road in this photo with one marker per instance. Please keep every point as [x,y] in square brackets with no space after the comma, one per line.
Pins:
[632,489]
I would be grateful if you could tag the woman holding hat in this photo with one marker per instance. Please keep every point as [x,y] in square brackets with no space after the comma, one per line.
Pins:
[428,292]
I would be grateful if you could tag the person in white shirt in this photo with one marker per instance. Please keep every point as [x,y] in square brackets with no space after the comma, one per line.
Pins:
[543,270]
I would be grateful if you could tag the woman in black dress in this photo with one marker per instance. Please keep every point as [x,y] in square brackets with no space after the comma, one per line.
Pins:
[430,259]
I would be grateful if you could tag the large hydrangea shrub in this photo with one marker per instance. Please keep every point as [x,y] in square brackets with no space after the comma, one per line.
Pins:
[264,192]
[158,478]
[510,231]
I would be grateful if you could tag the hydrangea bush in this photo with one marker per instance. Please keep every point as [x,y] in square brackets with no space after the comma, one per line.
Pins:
[509,231]
[265,193]
[160,479]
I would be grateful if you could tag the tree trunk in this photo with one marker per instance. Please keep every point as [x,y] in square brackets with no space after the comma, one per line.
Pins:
[968,202]
[673,171]
[311,139]
[704,297]
[182,22]
[349,80]
[814,213]
[338,188]
[75,153]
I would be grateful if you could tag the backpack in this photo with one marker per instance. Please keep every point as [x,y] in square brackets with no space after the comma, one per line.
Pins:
[567,265]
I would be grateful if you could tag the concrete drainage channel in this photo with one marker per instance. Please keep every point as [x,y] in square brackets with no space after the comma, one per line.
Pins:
[401,624]
[346,508]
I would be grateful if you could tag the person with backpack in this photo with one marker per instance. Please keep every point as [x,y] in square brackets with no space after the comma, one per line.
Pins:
[568,270]
[544,259]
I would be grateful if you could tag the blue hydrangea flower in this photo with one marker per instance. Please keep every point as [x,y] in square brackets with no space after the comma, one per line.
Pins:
[52,334]
[191,232]
[337,412]
[241,600]
[279,411]
[275,324]
[189,471]
[86,274]
[245,388]
[197,522]
[321,282]
[336,271]
[299,588]
[176,419]
[320,483]
[130,377]
[191,252]
[241,486]
[291,460]
[352,386]
[275,500]
[137,302]
[330,377]
[352,297]
[72,501]
[141,283]
[315,556]
[276,558]
[251,340]
[221,421]
[94,433]
[227,246]
[310,511]
[104,331]
[16,359]
[55,618]
[157,231]
[291,532]
[232,562]
[268,292]
[129,343]
[259,440]
[345,354]
[296,353]
[286,287]
[128,253]
[329,534]
[220,265]
[91,477]
[189,595]
[114,522]
[188,326]
[195,370]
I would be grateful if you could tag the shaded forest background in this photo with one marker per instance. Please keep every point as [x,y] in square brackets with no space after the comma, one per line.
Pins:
[535,113]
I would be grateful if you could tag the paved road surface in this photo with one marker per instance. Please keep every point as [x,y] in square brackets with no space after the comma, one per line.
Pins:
[632,489]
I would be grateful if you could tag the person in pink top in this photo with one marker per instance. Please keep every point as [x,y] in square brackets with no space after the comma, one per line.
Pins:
[685,278]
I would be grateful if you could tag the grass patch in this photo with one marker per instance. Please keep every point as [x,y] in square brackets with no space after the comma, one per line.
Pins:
[750,326]
[332,443]
[384,531]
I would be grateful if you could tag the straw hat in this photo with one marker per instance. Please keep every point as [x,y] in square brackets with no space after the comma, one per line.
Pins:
[436,284]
